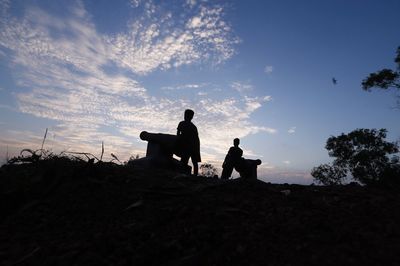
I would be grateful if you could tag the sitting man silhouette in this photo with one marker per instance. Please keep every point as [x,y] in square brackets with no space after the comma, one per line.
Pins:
[188,141]
[232,159]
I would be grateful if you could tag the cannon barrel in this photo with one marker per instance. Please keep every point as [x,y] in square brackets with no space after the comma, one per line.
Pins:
[254,162]
[160,138]
[160,151]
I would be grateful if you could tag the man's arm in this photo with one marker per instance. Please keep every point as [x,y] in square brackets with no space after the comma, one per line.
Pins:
[227,157]
[178,130]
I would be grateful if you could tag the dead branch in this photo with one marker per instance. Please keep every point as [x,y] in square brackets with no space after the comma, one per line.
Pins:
[44,139]
[102,150]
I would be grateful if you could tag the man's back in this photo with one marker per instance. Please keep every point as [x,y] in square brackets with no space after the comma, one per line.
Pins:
[188,140]
[188,130]
[234,154]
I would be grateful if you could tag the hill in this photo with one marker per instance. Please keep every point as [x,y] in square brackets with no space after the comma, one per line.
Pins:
[66,212]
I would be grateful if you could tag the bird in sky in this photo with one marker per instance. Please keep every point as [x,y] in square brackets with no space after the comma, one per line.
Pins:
[334,81]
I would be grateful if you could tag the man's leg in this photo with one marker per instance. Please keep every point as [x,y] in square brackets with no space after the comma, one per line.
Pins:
[184,162]
[195,168]
[227,172]
[185,159]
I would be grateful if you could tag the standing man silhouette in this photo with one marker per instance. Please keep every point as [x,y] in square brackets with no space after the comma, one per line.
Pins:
[232,159]
[188,141]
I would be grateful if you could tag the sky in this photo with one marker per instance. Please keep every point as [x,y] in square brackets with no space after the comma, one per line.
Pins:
[96,71]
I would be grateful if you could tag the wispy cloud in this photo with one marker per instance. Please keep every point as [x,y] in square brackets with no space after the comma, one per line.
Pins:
[268,69]
[292,130]
[135,3]
[191,3]
[64,77]
[242,87]
[162,43]
[267,98]
[184,86]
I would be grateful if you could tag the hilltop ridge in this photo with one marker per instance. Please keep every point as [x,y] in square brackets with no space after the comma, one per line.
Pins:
[65,212]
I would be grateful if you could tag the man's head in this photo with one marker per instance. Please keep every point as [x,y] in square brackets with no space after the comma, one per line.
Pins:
[189,115]
[236,142]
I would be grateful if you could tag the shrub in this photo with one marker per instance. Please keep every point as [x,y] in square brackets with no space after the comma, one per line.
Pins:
[363,153]
[208,170]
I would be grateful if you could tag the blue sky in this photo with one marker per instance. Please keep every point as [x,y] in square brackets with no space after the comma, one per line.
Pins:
[94,71]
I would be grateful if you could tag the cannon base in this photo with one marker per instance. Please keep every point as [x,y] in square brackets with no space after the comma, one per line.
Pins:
[162,163]
[159,153]
[247,168]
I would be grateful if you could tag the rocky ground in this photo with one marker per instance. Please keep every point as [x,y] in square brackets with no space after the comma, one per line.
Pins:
[64,212]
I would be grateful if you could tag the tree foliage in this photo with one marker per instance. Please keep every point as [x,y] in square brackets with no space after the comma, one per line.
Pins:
[208,170]
[385,78]
[329,174]
[363,153]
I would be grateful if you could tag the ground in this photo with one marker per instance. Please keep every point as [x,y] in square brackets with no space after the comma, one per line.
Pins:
[64,212]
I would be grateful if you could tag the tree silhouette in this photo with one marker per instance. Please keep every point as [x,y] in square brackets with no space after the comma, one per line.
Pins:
[329,175]
[364,154]
[385,78]
[208,170]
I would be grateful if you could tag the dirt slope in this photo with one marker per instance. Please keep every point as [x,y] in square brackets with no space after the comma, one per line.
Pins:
[62,212]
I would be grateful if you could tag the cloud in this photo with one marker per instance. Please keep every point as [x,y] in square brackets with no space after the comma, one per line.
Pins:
[286,162]
[222,121]
[135,3]
[191,3]
[183,87]
[241,87]
[267,98]
[292,130]
[161,43]
[268,69]
[61,65]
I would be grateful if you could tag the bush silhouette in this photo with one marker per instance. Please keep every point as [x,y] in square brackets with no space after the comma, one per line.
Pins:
[208,170]
[364,154]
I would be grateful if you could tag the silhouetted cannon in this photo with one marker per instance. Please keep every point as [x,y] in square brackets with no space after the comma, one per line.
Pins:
[159,144]
[160,150]
[247,168]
